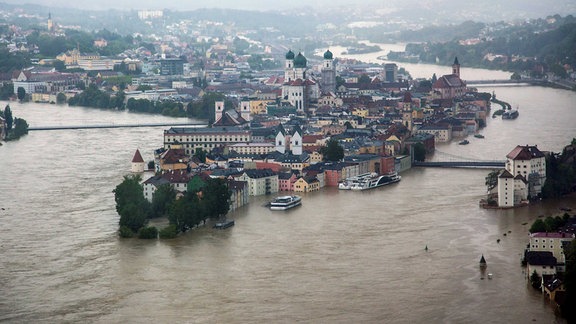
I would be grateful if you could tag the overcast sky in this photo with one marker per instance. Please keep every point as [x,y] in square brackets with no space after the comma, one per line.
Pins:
[185,5]
[518,8]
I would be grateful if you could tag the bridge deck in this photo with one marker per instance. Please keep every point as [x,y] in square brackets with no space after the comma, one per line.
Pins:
[462,164]
[64,127]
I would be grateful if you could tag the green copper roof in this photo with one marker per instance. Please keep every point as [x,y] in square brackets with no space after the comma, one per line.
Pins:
[328,55]
[290,55]
[300,61]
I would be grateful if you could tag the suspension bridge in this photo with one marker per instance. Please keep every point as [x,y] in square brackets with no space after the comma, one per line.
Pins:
[113,125]
[447,160]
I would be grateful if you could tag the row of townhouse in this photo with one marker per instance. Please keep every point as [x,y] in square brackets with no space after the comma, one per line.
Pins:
[545,257]
[182,181]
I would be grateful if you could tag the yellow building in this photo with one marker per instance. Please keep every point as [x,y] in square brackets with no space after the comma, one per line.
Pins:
[307,184]
[361,112]
[258,107]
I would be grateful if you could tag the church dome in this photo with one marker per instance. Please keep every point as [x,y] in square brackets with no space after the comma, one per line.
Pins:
[290,55]
[328,55]
[300,61]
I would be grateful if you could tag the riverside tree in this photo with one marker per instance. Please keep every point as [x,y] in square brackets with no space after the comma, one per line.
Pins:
[163,197]
[21,93]
[8,117]
[492,180]
[131,204]
[216,198]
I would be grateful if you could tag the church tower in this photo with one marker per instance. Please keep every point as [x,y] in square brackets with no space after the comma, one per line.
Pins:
[328,73]
[289,75]
[50,24]
[296,141]
[218,110]
[245,110]
[456,67]
[407,111]
[280,140]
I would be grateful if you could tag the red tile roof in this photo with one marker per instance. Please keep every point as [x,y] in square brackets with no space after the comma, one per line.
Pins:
[137,157]
[524,153]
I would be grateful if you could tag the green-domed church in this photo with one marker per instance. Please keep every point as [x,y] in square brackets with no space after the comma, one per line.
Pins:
[300,89]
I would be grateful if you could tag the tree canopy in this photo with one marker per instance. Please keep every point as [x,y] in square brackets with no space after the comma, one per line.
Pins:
[131,204]
[8,117]
[333,151]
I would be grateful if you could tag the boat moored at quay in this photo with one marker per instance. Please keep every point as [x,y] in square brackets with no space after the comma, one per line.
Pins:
[348,183]
[510,114]
[377,181]
[285,202]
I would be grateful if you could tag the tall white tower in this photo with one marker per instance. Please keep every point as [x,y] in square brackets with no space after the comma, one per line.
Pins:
[289,67]
[218,110]
[328,73]
[245,110]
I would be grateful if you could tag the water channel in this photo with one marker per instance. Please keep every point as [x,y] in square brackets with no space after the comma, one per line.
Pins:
[341,257]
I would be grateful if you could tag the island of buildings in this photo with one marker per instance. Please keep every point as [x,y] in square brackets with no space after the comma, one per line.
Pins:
[275,140]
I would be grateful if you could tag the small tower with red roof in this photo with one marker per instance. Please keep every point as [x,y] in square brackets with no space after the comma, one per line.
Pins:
[137,162]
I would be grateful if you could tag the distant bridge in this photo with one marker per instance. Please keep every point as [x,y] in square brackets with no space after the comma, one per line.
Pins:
[447,160]
[113,125]
[506,81]
[462,164]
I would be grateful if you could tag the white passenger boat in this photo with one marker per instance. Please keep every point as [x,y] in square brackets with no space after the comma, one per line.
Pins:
[377,181]
[285,202]
[348,183]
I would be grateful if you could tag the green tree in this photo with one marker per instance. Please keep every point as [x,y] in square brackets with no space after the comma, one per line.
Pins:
[20,129]
[143,87]
[131,205]
[535,280]
[60,98]
[333,151]
[6,91]
[59,65]
[148,233]
[364,79]
[538,226]
[492,180]
[568,309]
[216,198]
[186,212]
[8,117]
[21,93]
[163,197]
[200,154]
[168,232]
[515,76]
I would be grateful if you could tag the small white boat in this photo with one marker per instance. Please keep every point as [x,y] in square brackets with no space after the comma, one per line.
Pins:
[285,202]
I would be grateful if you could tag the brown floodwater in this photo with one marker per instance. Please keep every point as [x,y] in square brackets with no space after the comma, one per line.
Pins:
[341,257]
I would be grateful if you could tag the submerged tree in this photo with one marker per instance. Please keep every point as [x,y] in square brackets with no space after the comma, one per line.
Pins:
[131,204]
[535,280]
[163,197]
[492,180]
[8,117]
